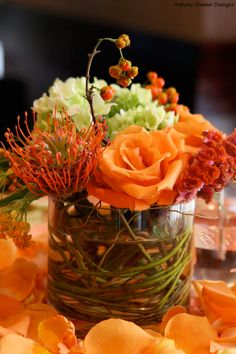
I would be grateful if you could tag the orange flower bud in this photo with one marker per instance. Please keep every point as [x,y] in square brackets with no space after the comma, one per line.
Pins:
[115,71]
[107,93]
[132,72]
[123,41]
[124,81]
[124,64]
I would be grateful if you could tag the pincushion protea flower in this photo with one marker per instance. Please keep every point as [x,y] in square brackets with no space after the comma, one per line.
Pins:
[57,161]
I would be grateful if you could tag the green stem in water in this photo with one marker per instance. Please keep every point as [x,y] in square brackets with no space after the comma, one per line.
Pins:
[132,234]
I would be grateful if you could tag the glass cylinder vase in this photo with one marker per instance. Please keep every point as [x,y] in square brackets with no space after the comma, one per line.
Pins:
[106,262]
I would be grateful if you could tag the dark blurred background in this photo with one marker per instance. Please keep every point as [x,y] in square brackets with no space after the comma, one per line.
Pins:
[191,45]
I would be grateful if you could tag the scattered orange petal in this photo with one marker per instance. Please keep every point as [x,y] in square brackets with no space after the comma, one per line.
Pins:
[223,304]
[56,330]
[8,253]
[165,346]
[37,313]
[16,344]
[169,314]
[18,280]
[117,336]
[18,324]
[224,348]
[4,331]
[192,334]
[9,306]
[217,300]
[21,326]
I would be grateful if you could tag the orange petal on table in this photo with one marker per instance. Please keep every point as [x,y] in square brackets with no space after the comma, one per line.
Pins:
[165,346]
[192,334]
[169,314]
[9,306]
[16,344]
[211,293]
[56,330]
[37,313]
[117,336]
[18,324]
[226,340]
[4,331]
[221,301]
[8,253]
[18,280]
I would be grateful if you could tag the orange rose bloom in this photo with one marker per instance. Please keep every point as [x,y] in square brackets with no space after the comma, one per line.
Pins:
[192,126]
[140,168]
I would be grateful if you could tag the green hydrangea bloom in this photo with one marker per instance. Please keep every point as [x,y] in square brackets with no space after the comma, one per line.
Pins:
[135,106]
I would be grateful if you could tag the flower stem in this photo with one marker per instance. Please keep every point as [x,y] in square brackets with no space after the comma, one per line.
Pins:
[89,90]
[132,234]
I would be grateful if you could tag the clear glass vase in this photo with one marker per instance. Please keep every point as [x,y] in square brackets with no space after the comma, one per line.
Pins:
[106,262]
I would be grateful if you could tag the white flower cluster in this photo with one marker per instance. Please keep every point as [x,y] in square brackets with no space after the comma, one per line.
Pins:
[69,96]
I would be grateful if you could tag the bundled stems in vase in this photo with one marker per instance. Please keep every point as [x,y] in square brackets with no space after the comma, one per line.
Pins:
[107,262]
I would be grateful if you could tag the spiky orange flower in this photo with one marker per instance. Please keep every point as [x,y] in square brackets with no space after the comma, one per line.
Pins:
[57,161]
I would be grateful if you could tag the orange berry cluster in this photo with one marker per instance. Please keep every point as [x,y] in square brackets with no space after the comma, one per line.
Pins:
[168,97]
[123,72]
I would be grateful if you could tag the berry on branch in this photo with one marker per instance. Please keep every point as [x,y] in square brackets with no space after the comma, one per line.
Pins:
[107,93]
[115,71]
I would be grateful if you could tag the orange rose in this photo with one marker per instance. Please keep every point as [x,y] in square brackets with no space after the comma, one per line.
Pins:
[140,168]
[192,126]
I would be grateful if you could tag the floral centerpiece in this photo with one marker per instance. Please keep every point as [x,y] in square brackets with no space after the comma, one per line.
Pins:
[122,165]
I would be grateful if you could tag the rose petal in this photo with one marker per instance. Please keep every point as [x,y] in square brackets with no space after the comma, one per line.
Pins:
[117,336]
[166,346]
[8,253]
[190,333]
[56,330]
[169,314]
[217,300]
[192,126]
[16,344]
[18,280]
[18,324]
[9,306]
[117,199]
[37,313]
